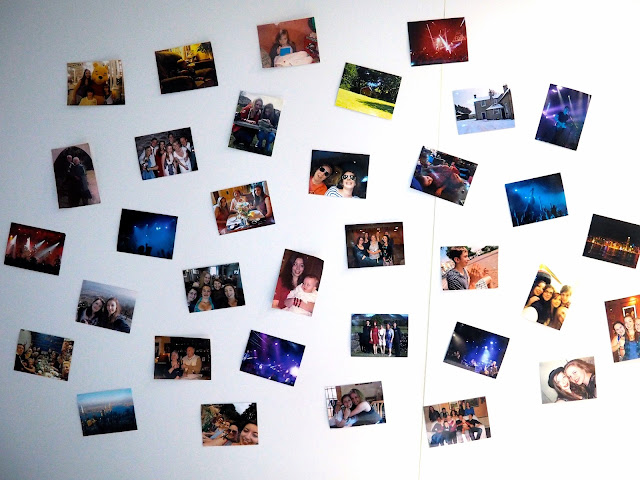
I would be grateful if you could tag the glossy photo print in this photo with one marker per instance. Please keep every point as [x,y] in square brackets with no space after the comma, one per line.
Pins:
[339,175]
[149,234]
[34,249]
[624,328]
[110,411]
[298,283]
[95,83]
[165,154]
[289,44]
[43,355]
[213,288]
[536,199]
[549,299]
[182,358]
[438,41]
[255,123]
[469,268]
[368,91]
[374,245]
[460,421]
[229,424]
[188,67]
[272,358]
[483,109]
[613,241]
[75,176]
[379,335]
[355,405]
[242,208]
[106,306]
[476,350]
[568,380]
[563,116]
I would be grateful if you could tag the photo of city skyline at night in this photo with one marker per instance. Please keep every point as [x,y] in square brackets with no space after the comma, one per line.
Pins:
[613,241]
[110,411]
[536,199]
[476,350]
[272,358]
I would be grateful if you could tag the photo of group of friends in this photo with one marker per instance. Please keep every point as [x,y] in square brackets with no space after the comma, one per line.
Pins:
[613,241]
[563,116]
[438,41]
[379,335]
[242,208]
[374,245]
[469,268]
[476,350]
[188,67]
[368,91]
[149,234]
[106,306]
[566,381]
[229,424]
[272,358]
[289,44]
[443,175]
[44,355]
[457,422]
[340,175]
[549,299]
[34,249]
[75,176]
[355,405]
[255,123]
[182,358]
[298,283]
[624,328]
[164,154]
[213,288]
[483,109]
[536,199]
[110,411]
[95,83]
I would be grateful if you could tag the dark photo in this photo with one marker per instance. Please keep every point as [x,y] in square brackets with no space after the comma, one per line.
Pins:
[242,208]
[374,245]
[95,83]
[549,299]
[536,199]
[43,355]
[379,335]
[355,405]
[457,422]
[298,283]
[106,306]
[76,182]
[368,91]
[34,249]
[476,350]
[438,41]
[272,358]
[229,424]
[469,268]
[255,123]
[613,241]
[568,380]
[186,68]
[164,154]
[624,328]
[110,411]
[341,175]
[289,44]
[563,116]
[182,358]
[150,234]
[213,288]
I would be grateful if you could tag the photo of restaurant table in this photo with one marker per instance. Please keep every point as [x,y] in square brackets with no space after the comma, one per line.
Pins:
[75,176]
[368,91]
[95,83]
[289,44]
[298,283]
[182,358]
[241,208]
[469,268]
[549,299]
[624,328]
[229,424]
[476,350]
[110,411]
[106,306]
[44,355]
[336,174]
[272,358]
[438,41]
[164,154]
[536,199]
[563,117]
[186,68]
[255,123]
[34,249]
[457,422]
[149,234]
[568,380]
[213,288]
[355,405]
[379,335]
[374,244]
[613,241]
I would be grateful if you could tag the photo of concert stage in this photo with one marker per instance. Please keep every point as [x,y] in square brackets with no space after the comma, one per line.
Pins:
[272,358]
[563,116]
[34,249]
[613,241]
[438,41]
[536,199]
[476,350]
[149,234]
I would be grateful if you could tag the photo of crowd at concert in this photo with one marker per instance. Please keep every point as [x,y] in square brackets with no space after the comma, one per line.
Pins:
[563,116]
[355,405]
[165,154]
[43,355]
[298,283]
[549,299]
[567,381]
[75,176]
[613,241]
[379,335]
[188,67]
[536,199]
[289,44]
[476,350]
[34,249]
[229,424]
[374,244]
[213,288]
[340,175]
[438,41]
[150,234]
[272,358]
[106,306]
[110,411]
[469,268]
[182,358]
[624,328]
[457,422]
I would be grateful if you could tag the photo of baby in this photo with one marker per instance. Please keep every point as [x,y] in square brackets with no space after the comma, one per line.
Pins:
[298,282]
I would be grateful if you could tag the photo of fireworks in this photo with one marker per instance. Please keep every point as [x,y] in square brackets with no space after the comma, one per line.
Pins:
[438,41]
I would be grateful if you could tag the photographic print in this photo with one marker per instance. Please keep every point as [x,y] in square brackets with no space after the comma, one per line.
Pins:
[76,182]
[255,123]
[164,154]
[272,358]
[549,299]
[186,68]
[34,249]
[563,116]
[229,424]
[242,208]
[95,83]
[298,283]
[150,234]
[289,44]
[355,405]
[182,358]
[374,244]
[368,91]
[536,199]
[336,174]
[469,268]
[44,355]
[438,41]
[110,411]
[106,306]
[624,328]
[213,288]
[483,109]
[568,380]
[379,335]
[443,175]
[457,422]
[476,350]
[613,241]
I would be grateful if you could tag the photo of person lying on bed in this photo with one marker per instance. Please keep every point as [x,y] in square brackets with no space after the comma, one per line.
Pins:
[355,405]
[289,44]
[340,175]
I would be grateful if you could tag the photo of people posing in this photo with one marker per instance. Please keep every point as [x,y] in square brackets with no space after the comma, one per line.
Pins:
[186,68]
[44,355]
[549,299]
[298,283]
[213,288]
[272,358]
[469,268]
[443,175]
[242,208]
[374,245]
[182,358]
[150,234]
[355,405]
[34,249]
[483,109]
[289,44]
[566,381]
[336,174]
[229,424]
[563,116]
[76,182]
[438,41]
[476,350]
[457,422]
[368,91]
[613,241]
[379,335]
[164,154]
[624,328]
[536,199]
[110,411]
[95,83]
[255,123]
[106,306]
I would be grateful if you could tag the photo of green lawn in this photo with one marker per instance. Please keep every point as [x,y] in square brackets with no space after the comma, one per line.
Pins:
[368,91]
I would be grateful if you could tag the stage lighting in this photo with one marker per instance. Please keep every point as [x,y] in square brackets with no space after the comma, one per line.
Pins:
[294,371]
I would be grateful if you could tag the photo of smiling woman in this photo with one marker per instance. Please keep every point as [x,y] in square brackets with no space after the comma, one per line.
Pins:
[229,424]
[213,288]
[562,381]
[106,306]
[336,174]
[298,283]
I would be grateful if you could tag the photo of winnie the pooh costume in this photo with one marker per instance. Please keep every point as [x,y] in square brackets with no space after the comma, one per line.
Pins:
[105,83]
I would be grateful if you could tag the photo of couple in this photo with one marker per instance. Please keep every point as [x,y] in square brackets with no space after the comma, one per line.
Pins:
[76,182]
[576,380]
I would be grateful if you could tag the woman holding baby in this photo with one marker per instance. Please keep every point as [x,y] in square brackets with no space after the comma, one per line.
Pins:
[291,276]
